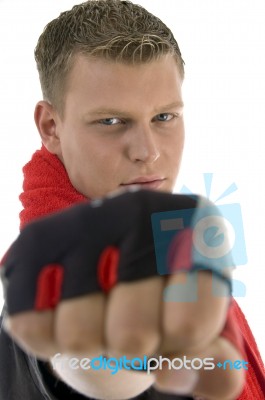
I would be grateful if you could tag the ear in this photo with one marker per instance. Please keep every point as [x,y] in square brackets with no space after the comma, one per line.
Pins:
[47,121]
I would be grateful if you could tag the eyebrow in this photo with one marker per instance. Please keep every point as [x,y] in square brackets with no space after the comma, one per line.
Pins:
[176,104]
[114,111]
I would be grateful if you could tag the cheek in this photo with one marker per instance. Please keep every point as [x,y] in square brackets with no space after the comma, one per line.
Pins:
[93,168]
[175,148]
[180,147]
[80,151]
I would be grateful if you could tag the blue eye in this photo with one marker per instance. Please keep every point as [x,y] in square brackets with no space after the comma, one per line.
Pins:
[164,117]
[110,121]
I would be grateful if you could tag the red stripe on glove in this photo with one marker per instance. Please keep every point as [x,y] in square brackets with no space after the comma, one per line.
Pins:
[49,286]
[108,268]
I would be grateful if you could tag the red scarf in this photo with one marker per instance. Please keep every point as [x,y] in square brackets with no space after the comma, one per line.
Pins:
[47,189]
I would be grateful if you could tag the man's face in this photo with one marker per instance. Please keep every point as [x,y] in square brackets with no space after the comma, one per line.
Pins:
[122,126]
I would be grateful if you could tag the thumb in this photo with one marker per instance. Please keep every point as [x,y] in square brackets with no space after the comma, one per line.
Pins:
[221,382]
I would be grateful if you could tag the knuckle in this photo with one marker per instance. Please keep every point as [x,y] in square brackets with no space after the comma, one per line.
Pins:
[32,339]
[79,324]
[75,340]
[72,346]
[187,333]
[194,323]
[136,341]
[27,332]
[69,339]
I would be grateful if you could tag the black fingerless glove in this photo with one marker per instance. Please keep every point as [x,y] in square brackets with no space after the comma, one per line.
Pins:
[90,247]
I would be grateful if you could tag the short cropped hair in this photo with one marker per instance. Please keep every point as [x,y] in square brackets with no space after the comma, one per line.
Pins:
[114,30]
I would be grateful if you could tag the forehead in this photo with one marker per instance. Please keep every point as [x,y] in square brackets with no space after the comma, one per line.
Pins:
[101,83]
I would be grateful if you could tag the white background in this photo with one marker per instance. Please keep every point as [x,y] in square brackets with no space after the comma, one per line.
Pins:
[223,45]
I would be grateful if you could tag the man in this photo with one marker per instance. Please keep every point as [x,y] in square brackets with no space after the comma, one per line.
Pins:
[111,119]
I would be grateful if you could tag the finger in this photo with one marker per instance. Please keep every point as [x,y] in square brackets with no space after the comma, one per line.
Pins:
[33,331]
[192,314]
[225,383]
[79,325]
[133,317]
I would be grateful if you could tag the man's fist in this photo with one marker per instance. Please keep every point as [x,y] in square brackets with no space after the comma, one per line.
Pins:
[85,281]
[91,247]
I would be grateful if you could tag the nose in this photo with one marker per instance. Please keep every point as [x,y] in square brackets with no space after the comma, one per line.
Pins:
[142,145]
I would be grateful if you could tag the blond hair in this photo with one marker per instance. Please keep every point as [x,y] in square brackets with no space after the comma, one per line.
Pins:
[115,30]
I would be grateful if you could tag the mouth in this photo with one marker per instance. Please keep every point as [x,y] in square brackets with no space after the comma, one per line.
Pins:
[144,182]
